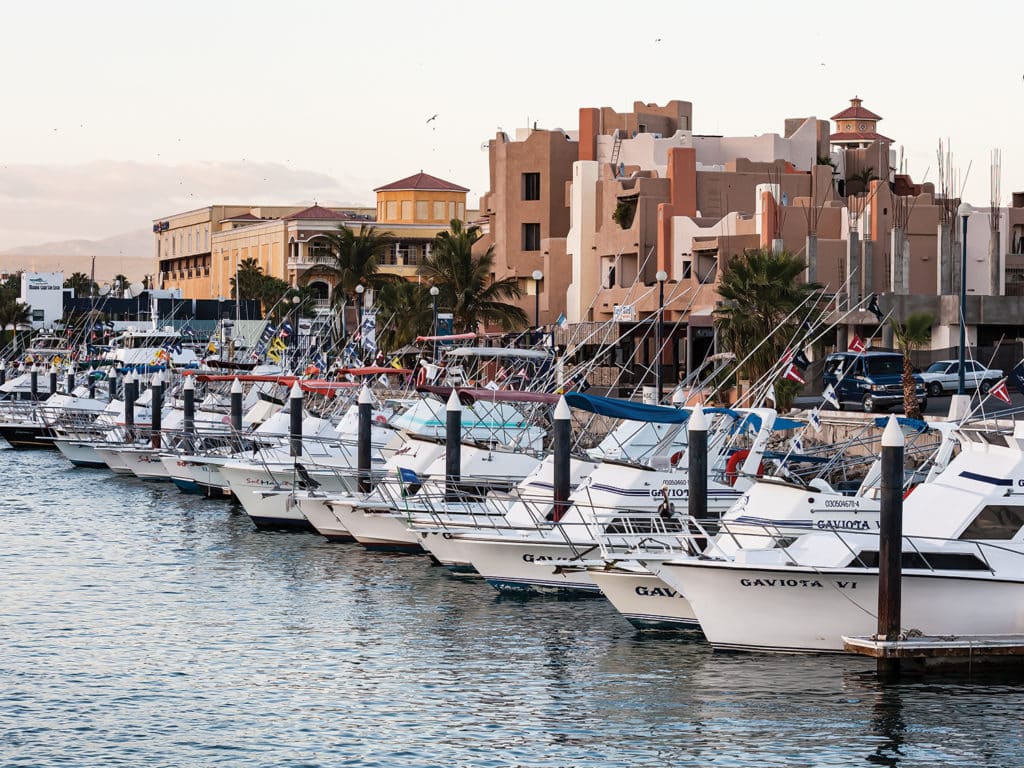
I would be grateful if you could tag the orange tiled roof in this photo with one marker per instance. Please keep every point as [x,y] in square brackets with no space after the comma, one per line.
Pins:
[422,181]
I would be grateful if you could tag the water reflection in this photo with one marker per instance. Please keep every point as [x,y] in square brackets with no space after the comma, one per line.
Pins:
[142,626]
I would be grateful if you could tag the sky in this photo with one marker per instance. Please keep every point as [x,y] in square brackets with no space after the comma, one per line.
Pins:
[116,113]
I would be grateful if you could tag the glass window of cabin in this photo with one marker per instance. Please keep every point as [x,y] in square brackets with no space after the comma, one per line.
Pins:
[996,521]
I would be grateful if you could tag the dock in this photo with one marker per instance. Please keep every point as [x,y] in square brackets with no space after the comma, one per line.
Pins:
[924,652]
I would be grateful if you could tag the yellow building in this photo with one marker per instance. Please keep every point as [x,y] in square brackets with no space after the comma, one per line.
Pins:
[199,251]
[184,246]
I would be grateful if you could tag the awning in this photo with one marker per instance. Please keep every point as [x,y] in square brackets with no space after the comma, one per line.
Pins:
[626,409]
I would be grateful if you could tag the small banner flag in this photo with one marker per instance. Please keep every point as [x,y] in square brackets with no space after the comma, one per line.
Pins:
[857,344]
[814,419]
[830,396]
[793,374]
[874,309]
[1000,392]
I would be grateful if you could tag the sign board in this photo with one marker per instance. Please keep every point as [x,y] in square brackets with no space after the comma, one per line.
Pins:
[44,292]
[624,313]
[445,323]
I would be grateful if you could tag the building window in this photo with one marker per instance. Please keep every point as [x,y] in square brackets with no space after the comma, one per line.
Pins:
[422,210]
[531,237]
[38,315]
[531,186]
[451,211]
[438,211]
[461,211]
[407,210]
[392,210]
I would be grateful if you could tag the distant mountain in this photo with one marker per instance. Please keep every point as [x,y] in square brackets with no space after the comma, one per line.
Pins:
[130,253]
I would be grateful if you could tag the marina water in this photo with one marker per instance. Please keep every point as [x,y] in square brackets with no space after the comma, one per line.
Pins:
[143,627]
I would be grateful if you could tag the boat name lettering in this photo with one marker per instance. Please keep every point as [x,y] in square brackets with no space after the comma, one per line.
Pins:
[528,558]
[843,525]
[782,583]
[679,492]
[263,482]
[656,592]
[842,504]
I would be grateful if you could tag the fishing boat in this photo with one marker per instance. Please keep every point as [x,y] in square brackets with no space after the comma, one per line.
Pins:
[963,565]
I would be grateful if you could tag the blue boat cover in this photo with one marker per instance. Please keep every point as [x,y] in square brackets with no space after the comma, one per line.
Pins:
[625,409]
[915,425]
[660,414]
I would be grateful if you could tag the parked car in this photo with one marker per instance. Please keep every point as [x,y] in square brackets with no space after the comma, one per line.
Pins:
[944,376]
[870,380]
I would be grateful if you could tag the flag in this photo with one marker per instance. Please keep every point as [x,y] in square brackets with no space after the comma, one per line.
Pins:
[793,374]
[409,480]
[857,344]
[493,385]
[368,332]
[1000,392]
[830,396]
[561,321]
[796,444]
[318,359]
[814,419]
[286,330]
[211,348]
[874,309]
[1018,376]
[798,358]
[396,363]
[277,346]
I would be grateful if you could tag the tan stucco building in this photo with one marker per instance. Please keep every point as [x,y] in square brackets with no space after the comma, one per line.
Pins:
[199,251]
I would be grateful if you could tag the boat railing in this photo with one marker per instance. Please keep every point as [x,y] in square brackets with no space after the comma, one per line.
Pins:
[931,553]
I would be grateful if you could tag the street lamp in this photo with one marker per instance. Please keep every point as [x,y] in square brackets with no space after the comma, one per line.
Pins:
[661,277]
[964,212]
[360,289]
[434,290]
[537,277]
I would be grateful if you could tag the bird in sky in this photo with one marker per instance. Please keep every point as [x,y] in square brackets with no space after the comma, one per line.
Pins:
[432,117]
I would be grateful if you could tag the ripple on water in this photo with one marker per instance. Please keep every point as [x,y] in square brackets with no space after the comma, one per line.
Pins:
[145,627]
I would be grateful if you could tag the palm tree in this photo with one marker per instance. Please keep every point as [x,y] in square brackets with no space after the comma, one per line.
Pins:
[465,284]
[910,336]
[862,178]
[406,310]
[760,290]
[12,313]
[120,282]
[246,282]
[80,283]
[355,259]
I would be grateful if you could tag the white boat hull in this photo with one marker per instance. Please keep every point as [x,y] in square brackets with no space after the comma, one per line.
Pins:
[114,460]
[81,454]
[373,529]
[319,514]
[145,464]
[445,548]
[645,600]
[810,610]
[519,566]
